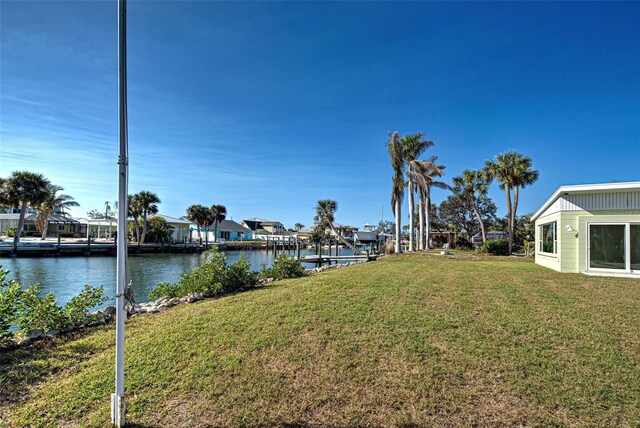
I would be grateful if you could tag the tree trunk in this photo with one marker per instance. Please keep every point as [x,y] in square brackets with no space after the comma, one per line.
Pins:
[411,222]
[421,219]
[144,227]
[507,190]
[16,238]
[398,213]
[341,238]
[45,226]
[215,231]
[427,219]
[514,209]
[475,210]
[136,224]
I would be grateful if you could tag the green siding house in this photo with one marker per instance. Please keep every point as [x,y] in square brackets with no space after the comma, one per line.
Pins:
[592,229]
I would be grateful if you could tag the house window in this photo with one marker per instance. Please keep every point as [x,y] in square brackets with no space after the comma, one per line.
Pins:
[548,238]
[61,227]
[614,246]
[225,234]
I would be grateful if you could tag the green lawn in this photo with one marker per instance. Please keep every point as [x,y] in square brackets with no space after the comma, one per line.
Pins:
[411,340]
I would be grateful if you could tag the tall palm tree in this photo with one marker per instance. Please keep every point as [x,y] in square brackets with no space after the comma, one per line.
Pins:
[219,213]
[197,214]
[472,184]
[424,173]
[148,202]
[135,211]
[514,171]
[412,147]
[23,189]
[325,216]
[396,155]
[298,226]
[51,202]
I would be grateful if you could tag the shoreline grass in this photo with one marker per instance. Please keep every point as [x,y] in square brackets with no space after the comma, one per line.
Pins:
[410,340]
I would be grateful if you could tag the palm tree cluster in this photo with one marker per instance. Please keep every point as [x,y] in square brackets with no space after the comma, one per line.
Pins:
[421,178]
[142,205]
[23,190]
[513,171]
[205,217]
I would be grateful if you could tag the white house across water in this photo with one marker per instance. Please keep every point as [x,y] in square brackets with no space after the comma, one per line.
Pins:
[592,229]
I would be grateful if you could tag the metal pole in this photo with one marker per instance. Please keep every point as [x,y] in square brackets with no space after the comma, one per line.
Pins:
[117,399]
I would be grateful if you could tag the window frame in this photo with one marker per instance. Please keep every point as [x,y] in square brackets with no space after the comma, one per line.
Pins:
[627,236]
[555,239]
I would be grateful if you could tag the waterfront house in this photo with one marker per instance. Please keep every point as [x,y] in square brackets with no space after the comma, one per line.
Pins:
[99,227]
[261,226]
[590,228]
[347,232]
[57,224]
[179,228]
[228,230]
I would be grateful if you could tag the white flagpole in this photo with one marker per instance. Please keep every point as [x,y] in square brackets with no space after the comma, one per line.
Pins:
[117,399]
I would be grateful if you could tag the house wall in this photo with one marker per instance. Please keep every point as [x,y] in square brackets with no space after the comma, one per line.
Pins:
[572,245]
[549,260]
[595,202]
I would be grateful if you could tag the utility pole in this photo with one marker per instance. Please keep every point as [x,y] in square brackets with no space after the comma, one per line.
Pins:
[117,399]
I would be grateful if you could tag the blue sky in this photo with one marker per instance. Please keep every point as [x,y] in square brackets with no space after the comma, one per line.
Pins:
[268,107]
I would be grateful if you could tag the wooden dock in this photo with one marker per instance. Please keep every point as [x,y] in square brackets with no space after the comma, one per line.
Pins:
[52,249]
[328,259]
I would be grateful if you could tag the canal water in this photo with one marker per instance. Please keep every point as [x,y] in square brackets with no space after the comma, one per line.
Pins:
[66,276]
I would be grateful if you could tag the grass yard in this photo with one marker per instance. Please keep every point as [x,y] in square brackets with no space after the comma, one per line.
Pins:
[411,340]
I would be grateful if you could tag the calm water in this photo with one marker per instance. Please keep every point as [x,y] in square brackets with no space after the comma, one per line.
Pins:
[66,276]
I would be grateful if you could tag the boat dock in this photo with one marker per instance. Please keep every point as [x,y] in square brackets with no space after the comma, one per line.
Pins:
[329,259]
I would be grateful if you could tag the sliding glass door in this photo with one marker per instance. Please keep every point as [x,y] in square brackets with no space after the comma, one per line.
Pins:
[614,246]
[635,247]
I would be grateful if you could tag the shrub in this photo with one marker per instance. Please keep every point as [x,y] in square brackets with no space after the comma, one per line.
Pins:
[389,248]
[528,248]
[39,312]
[26,310]
[239,275]
[463,243]
[9,297]
[77,310]
[496,247]
[206,279]
[283,267]
[11,232]
[164,289]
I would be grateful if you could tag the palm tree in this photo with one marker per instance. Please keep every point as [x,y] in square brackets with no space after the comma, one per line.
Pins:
[423,173]
[219,213]
[135,211]
[197,214]
[21,190]
[298,226]
[148,202]
[472,184]
[514,171]
[325,216]
[412,147]
[396,156]
[51,202]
